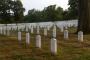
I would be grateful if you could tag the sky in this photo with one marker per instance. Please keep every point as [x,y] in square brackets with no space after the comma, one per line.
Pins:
[40,4]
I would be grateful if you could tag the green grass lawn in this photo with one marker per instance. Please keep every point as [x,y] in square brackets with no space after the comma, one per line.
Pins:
[69,49]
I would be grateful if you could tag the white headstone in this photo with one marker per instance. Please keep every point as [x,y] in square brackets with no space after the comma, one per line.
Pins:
[4,31]
[54,46]
[66,34]
[38,30]
[54,32]
[32,30]
[1,30]
[38,41]
[80,36]
[48,28]
[62,28]
[19,36]
[45,31]
[27,38]
[26,29]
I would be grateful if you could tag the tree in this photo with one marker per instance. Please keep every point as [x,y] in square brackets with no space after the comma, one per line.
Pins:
[34,16]
[66,15]
[59,13]
[18,10]
[11,11]
[73,9]
[53,13]
[50,13]
[5,10]
[84,16]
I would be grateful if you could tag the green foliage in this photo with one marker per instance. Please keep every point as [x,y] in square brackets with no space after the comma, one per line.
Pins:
[53,13]
[18,10]
[4,9]
[73,9]
[10,11]
[66,15]
[50,13]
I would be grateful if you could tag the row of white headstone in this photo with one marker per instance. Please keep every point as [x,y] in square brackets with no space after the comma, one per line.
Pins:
[80,34]
[38,41]
[38,36]
[53,39]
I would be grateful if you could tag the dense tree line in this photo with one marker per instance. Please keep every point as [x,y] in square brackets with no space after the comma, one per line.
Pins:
[50,13]
[53,13]
[11,11]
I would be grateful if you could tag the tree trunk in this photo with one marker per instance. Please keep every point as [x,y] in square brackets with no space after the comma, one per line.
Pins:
[84,16]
